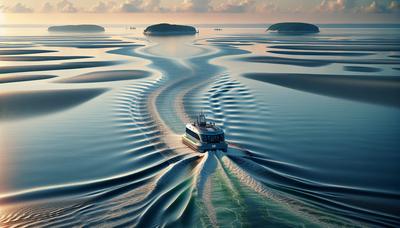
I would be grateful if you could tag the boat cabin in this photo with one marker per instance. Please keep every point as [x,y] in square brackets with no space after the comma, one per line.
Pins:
[204,136]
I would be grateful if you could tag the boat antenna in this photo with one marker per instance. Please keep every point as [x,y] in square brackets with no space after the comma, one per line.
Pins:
[201,119]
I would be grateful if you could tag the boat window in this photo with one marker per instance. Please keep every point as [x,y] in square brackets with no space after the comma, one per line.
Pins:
[204,138]
[191,133]
[212,138]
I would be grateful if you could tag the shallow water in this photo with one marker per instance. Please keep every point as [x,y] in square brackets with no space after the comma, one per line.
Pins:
[96,141]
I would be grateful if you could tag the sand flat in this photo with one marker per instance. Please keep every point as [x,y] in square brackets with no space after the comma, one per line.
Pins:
[338,47]
[362,69]
[316,62]
[287,61]
[21,78]
[91,45]
[315,53]
[24,51]
[20,105]
[382,90]
[40,58]
[16,45]
[107,76]
[60,66]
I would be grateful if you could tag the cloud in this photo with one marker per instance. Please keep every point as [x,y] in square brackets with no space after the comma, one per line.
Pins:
[66,6]
[153,6]
[197,6]
[332,5]
[47,8]
[205,6]
[238,7]
[209,6]
[394,6]
[17,8]
[335,6]
[267,7]
[137,6]
[200,6]
[101,7]
[131,6]
[3,9]
[375,7]
[104,7]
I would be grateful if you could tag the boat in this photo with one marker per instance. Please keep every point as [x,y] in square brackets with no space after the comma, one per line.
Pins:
[204,136]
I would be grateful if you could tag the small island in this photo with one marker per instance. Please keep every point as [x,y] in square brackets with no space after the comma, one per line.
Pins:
[77,28]
[294,28]
[169,30]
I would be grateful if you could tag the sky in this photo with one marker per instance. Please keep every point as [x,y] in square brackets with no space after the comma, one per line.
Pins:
[197,11]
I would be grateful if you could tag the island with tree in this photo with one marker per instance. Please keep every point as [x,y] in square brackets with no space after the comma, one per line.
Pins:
[165,29]
[77,28]
[294,27]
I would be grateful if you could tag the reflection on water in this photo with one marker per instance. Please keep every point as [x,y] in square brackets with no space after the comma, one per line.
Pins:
[173,47]
[312,123]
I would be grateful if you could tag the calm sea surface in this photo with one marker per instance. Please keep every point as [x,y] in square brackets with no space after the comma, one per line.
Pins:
[90,128]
